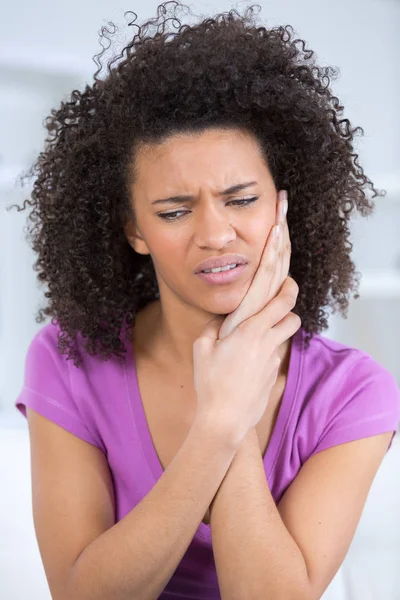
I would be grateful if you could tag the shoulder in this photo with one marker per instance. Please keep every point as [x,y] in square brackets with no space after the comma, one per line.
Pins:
[53,389]
[345,394]
[345,368]
[43,359]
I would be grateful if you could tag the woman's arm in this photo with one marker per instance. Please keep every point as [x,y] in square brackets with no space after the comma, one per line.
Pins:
[255,554]
[86,555]
[291,551]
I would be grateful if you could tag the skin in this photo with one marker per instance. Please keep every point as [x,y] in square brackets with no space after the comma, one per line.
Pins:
[200,165]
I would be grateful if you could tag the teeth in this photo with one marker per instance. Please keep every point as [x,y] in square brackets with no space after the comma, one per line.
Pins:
[218,269]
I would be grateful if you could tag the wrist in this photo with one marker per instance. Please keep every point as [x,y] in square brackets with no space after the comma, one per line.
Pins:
[209,428]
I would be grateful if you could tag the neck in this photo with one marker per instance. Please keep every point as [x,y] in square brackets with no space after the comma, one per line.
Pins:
[169,340]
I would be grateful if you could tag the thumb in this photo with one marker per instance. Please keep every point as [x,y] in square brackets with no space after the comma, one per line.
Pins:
[211,330]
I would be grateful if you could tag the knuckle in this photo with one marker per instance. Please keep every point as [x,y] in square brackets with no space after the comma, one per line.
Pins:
[243,328]
[291,292]
[295,320]
[294,288]
[198,344]
[290,300]
[269,267]
[201,343]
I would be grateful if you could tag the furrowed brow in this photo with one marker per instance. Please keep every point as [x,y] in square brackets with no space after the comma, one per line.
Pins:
[231,190]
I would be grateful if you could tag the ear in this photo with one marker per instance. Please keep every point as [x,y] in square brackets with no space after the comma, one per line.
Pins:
[134,238]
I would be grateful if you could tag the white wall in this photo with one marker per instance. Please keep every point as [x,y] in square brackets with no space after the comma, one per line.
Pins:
[45,51]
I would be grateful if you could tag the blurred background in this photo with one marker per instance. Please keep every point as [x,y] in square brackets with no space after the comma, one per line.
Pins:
[46,51]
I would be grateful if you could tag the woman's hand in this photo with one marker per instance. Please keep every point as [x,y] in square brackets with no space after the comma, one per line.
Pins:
[234,374]
[270,275]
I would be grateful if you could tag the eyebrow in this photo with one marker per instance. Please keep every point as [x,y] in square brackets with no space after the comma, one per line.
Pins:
[231,190]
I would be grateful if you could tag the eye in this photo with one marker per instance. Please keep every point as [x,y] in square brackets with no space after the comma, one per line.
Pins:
[243,202]
[246,200]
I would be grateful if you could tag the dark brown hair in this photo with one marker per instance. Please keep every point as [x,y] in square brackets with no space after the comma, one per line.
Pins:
[224,71]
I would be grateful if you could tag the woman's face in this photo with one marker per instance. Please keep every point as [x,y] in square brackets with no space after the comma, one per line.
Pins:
[179,235]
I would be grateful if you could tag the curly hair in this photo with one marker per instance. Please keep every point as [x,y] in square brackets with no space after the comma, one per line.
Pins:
[224,71]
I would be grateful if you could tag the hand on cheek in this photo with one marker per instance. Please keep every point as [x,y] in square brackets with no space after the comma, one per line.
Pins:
[271,273]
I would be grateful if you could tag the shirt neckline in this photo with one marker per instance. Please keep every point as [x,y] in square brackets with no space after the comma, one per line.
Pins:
[276,440]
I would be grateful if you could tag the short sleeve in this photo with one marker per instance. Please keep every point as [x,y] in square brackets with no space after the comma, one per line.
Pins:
[366,403]
[47,388]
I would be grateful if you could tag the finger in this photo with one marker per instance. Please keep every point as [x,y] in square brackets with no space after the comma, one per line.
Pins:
[268,280]
[287,254]
[275,310]
[285,329]
[255,298]
[279,275]
[210,332]
[286,251]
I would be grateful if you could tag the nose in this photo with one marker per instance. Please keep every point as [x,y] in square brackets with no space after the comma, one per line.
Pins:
[213,228]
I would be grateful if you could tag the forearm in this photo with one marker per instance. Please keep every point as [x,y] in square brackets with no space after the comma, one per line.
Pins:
[138,555]
[255,556]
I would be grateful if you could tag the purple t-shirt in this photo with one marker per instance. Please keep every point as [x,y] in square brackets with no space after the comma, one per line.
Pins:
[334,394]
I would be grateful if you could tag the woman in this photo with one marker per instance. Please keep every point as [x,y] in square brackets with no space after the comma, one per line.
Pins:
[230,452]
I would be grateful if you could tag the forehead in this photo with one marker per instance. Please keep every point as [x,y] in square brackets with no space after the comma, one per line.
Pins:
[213,155]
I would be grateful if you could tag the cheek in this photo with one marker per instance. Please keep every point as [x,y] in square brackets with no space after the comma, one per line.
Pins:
[259,227]
[168,253]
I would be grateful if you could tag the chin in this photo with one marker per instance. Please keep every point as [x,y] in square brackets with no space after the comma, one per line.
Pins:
[223,306]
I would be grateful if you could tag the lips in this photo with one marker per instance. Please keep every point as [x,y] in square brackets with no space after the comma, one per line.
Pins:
[220,261]
[223,277]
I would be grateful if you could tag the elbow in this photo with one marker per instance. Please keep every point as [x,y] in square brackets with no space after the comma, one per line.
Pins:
[74,590]
[299,591]
[303,592]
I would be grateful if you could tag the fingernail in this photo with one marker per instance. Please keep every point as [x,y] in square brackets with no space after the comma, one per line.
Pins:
[284,197]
